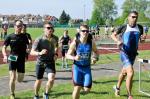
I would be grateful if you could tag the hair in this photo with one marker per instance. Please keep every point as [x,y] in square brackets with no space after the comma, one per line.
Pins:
[84,25]
[48,23]
[135,12]
[24,25]
[18,21]
[66,31]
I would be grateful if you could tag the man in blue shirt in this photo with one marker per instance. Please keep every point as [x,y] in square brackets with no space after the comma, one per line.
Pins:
[128,43]
[80,52]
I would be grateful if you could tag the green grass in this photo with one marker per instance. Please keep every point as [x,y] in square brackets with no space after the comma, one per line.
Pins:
[101,89]
[35,32]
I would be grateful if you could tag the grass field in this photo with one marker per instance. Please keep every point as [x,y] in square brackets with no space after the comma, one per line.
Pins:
[102,87]
[35,32]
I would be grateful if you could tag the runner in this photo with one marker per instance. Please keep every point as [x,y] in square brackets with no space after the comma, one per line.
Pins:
[4,31]
[80,51]
[64,40]
[128,43]
[18,44]
[46,48]
[24,31]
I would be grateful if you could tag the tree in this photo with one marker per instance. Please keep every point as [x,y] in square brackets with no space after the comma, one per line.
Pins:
[64,18]
[138,5]
[103,10]
[95,18]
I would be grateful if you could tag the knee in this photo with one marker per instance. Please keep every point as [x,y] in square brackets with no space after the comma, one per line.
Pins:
[38,82]
[12,79]
[51,80]
[130,73]
[20,79]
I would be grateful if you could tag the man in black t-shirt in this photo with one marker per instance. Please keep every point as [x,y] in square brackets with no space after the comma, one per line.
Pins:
[18,43]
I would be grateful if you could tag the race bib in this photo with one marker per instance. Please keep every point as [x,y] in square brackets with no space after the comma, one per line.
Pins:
[65,46]
[85,56]
[13,58]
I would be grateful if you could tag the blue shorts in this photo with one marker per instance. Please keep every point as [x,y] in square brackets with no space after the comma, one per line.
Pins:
[126,59]
[82,76]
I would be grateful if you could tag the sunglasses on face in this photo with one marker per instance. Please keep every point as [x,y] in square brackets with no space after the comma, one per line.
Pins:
[87,31]
[49,28]
[18,26]
[134,17]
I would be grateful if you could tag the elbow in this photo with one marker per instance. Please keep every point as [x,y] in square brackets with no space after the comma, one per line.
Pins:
[31,52]
[112,35]
[67,56]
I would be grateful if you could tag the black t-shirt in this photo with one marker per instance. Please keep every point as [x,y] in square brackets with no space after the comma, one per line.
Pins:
[28,36]
[17,42]
[65,40]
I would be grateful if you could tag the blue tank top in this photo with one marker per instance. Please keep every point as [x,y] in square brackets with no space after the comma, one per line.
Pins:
[84,51]
[131,39]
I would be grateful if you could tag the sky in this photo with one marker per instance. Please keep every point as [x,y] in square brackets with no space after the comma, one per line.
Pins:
[75,8]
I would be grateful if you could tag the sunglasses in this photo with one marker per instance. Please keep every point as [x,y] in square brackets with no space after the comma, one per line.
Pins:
[18,26]
[134,17]
[87,31]
[49,28]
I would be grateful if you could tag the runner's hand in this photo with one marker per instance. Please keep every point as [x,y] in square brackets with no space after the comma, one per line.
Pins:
[5,59]
[55,57]
[44,51]
[77,57]
[119,44]
[93,61]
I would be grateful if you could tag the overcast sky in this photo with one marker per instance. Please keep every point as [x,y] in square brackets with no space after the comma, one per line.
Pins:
[75,8]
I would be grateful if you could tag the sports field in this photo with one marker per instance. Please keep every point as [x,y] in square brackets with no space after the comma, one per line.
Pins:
[102,86]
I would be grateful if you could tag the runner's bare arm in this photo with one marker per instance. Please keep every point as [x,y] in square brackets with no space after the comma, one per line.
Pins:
[71,50]
[114,37]
[56,52]
[34,50]
[95,56]
[4,53]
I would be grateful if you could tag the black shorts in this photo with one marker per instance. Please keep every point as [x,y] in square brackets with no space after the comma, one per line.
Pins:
[97,33]
[19,65]
[41,67]
[63,52]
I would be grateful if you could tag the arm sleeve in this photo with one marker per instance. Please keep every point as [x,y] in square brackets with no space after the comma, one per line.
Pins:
[140,29]
[57,40]
[7,41]
[120,29]
[29,37]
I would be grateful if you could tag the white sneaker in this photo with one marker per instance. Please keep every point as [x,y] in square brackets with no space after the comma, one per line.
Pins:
[117,91]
